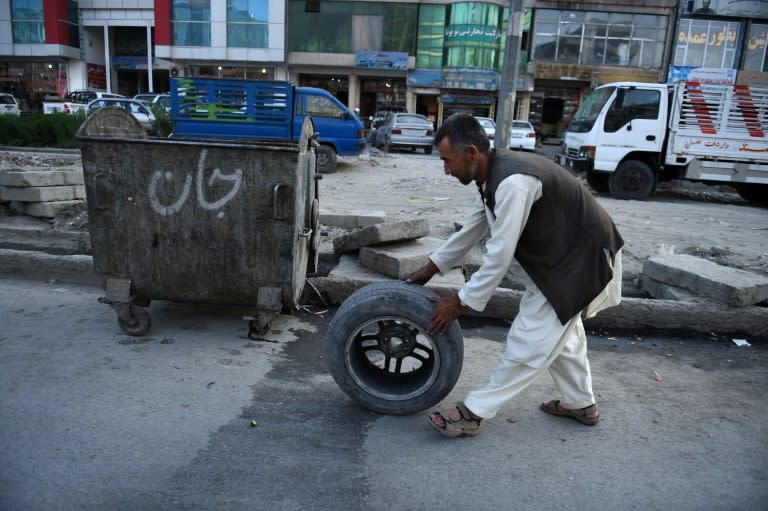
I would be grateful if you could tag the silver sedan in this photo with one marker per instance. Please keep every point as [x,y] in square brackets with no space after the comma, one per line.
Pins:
[405,130]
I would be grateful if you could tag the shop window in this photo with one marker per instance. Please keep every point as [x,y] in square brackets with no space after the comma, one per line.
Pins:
[27,21]
[598,38]
[429,40]
[705,43]
[755,52]
[248,23]
[192,23]
[473,35]
[339,26]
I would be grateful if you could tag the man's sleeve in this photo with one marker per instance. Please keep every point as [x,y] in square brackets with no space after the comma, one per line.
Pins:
[453,251]
[514,199]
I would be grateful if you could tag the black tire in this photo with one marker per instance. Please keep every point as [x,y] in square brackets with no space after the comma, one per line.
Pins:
[632,180]
[598,181]
[379,352]
[428,149]
[326,159]
[138,324]
[387,145]
[756,193]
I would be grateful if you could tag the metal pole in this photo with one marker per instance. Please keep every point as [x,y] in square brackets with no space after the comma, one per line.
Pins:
[508,87]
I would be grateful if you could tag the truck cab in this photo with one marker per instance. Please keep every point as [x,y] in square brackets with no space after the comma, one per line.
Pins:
[617,137]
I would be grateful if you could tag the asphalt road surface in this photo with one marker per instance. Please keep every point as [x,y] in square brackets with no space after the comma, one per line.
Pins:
[197,416]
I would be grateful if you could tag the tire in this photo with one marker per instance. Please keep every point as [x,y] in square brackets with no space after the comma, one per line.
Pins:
[139,323]
[755,193]
[598,181]
[379,352]
[387,145]
[428,149]
[326,159]
[632,180]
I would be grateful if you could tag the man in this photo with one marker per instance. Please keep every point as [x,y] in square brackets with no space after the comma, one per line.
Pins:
[538,214]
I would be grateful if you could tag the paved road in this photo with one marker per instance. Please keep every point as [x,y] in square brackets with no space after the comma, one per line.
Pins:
[92,419]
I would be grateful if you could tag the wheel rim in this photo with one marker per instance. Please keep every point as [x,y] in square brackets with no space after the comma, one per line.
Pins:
[392,358]
[322,158]
[633,180]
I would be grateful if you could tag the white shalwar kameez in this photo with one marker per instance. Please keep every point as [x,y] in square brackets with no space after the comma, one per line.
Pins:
[536,341]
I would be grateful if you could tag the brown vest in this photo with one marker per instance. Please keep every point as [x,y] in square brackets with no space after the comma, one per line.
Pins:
[561,246]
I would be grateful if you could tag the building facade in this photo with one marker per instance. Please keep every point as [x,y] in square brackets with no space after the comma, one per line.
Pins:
[434,58]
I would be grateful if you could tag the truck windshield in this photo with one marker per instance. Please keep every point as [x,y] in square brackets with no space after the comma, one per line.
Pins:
[587,114]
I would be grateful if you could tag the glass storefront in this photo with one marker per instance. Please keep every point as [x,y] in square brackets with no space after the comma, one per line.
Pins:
[707,43]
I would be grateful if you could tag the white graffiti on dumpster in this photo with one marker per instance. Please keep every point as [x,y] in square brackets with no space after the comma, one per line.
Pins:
[236,178]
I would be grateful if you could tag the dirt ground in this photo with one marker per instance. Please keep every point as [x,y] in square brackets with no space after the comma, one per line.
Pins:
[684,218]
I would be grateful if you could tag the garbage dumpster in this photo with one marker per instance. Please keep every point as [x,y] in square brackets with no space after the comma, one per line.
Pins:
[198,221]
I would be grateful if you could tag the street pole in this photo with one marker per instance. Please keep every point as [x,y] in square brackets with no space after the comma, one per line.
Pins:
[505,110]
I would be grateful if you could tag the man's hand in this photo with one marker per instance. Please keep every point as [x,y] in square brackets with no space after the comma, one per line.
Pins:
[447,310]
[423,274]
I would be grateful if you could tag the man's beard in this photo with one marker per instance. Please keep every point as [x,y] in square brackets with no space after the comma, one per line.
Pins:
[471,171]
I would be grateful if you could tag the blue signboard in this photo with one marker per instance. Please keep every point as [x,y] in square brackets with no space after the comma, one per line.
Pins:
[470,78]
[424,78]
[370,59]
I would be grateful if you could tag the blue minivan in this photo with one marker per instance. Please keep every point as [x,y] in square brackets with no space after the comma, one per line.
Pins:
[264,110]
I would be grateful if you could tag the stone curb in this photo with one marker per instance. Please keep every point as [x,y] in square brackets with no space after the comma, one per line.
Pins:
[633,313]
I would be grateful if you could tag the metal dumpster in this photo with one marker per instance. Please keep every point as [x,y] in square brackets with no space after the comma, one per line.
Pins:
[198,221]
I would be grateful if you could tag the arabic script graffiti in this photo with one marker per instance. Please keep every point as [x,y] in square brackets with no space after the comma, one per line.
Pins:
[235,178]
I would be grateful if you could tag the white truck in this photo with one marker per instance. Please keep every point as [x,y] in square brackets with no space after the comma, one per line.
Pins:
[627,136]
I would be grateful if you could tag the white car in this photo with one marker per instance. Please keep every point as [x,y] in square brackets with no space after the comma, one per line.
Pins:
[140,110]
[9,105]
[522,136]
[489,126]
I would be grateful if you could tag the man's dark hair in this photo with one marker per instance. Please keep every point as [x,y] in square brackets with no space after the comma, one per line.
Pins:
[463,130]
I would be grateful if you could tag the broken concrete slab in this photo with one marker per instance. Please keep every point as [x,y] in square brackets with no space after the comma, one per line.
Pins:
[42,193]
[701,316]
[44,177]
[707,279]
[44,209]
[351,219]
[399,259]
[662,291]
[379,234]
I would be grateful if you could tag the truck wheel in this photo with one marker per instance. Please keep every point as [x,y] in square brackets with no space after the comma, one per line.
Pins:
[326,159]
[756,193]
[380,354]
[598,181]
[632,180]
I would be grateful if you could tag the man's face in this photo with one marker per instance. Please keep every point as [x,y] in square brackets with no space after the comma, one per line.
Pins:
[462,166]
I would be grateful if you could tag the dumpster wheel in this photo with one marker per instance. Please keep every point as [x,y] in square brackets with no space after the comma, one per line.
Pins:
[134,320]
[380,354]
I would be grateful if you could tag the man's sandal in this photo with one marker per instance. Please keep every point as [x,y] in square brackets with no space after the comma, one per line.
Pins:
[580,414]
[464,426]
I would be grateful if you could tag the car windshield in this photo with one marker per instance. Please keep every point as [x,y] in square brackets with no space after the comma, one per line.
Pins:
[520,125]
[7,100]
[587,114]
[486,123]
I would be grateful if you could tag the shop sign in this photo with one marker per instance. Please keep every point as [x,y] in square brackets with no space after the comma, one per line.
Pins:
[127,62]
[464,98]
[367,59]
[752,78]
[470,78]
[475,36]
[97,76]
[714,75]
[424,78]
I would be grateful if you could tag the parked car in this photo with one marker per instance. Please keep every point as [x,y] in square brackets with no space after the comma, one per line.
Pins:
[140,110]
[146,96]
[9,105]
[75,101]
[163,100]
[377,118]
[489,125]
[405,130]
[522,136]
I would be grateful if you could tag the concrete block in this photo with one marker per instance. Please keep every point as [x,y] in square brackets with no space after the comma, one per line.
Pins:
[42,193]
[45,209]
[707,279]
[379,234]
[399,259]
[23,178]
[661,291]
[351,219]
